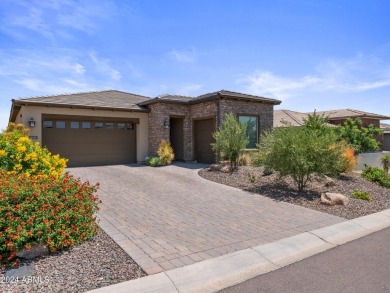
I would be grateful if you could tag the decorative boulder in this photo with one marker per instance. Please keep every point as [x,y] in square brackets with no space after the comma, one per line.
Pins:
[35,251]
[329,182]
[225,169]
[215,167]
[332,199]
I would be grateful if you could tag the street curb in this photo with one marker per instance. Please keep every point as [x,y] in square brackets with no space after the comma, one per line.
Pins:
[215,274]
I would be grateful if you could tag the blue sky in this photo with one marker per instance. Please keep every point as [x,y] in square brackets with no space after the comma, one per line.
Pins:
[310,54]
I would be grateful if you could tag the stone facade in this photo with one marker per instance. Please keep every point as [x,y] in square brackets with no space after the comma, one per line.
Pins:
[215,109]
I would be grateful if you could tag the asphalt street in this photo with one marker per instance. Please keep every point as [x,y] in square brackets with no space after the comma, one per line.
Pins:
[362,265]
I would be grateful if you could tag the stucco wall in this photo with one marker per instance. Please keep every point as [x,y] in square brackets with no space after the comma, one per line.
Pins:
[36,112]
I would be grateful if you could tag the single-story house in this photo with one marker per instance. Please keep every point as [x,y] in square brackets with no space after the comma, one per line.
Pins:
[115,127]
[336,117]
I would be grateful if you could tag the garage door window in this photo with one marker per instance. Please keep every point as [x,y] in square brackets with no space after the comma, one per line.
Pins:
[74,124]
[109,125]
[121,125]
[99,125]
[130,126]
[60,124]
[47,124]
[86,125]
[251,130]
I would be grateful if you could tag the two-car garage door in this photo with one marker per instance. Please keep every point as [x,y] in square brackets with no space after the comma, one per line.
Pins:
[87,142]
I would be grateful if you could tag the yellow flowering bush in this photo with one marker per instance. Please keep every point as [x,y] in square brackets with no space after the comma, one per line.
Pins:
[18,154]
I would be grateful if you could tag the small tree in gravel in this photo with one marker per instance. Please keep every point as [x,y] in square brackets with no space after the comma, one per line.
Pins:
[301,152]
[230,139]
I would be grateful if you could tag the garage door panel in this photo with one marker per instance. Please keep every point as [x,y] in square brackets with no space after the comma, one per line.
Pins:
[87,147]
[203,130]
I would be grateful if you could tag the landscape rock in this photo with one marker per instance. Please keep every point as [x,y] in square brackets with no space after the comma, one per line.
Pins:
[215,167]
[329,182]
[225,169]
[332,199]
[35,251]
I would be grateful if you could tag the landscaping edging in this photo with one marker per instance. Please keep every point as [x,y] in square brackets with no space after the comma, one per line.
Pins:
[221,272]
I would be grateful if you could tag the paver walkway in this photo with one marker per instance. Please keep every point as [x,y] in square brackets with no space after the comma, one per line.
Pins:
[169,217]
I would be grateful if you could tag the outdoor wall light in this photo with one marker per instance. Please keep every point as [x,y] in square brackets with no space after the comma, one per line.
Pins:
[166,123]
[31,122]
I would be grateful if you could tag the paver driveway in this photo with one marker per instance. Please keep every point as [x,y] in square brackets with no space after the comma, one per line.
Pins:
[169,217]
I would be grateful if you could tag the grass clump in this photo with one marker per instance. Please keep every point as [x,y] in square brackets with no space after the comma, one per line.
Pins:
[361,195]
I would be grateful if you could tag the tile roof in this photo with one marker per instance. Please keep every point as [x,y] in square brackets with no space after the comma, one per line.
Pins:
[167,98]
[292,118]
[107,99]
[345,113]
[296,118]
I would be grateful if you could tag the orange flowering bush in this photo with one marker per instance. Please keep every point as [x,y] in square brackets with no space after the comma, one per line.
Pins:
[348,159]
[58,212]
[18,154]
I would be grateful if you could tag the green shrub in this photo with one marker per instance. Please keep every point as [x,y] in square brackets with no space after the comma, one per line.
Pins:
[385,160]
[361,138]
[165,152]
[256,159]
[377,176]
[252,178]
[361,195]
[155,162]
[18,154]
[301,152]
[230,139]
[56,212]
[267,171]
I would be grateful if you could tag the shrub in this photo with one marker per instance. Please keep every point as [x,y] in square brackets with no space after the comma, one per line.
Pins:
[362,139]
[300,152]
[385,160]
[256,159]
[348,159]
[165,152]
[377,176]
[18,154]
[252,177]
[244,160]
[56,212]
[361,195]
[230,139]
[267,171]
[155,162]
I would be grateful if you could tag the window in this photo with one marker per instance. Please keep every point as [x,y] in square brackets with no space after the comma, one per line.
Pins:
[86,125]
[109,125]
[74,124]
[99,125]
[130,126]
[60,124]
[251,130]
[121,125]
[47,124]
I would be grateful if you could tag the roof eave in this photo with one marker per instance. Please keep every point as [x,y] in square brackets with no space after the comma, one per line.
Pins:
[360,116]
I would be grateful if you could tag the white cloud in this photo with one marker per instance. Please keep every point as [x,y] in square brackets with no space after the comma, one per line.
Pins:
[54,18]
[182,56]
[104,66]
[359,74]
[189,90]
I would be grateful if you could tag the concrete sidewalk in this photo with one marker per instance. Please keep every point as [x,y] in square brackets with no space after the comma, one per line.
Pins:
[215,274]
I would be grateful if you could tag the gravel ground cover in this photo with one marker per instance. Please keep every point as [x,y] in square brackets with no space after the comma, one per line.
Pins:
[285,190]
[95,263]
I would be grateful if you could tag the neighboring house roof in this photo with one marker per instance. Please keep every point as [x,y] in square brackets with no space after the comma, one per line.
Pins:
[106,100]
[385,127]
[297,118]
[167,98]
[293,118]
[208,97]
[346,113]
